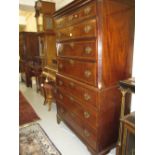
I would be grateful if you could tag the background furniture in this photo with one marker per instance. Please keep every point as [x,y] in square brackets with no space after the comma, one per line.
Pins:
[43,14]
[95,49]
[28,50]
[47,48]
[126,86]
[128,135]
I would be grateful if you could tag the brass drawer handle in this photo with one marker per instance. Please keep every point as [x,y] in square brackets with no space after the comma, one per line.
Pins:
[60,65]
[86,133]
[71,62]
[71,45]
[87,28]
[88,50]
[71,98]
[71,84]
[86,114]
[60,83]
[87,73]
[87,96]
[60,96]
[87,10]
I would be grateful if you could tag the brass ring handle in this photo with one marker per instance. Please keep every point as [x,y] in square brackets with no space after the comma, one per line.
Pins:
[71,84]
[87,96]
[87,73]
[88,50]
[71,45]
[60,96]
[60,65]
[60,83]
[87,10]
[87,28]
[86,114]
[86,133]
[71,98]
[71,62]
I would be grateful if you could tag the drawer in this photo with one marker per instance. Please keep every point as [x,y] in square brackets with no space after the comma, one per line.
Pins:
[88,134]
[86,95]
[81,14]
[84,29]
[80,70]
[85,49]
[73,106]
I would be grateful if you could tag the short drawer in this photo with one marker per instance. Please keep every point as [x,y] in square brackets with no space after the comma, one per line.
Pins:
[86,114]
[86,95]
[80,70]
[82,50]
[84,29]
[81,14]
[88,135]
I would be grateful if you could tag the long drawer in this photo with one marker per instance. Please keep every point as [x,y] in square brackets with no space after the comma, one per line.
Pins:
[82,50]
[88,134]
[84,113]
[80,70]
[81,14]
[86,95]
[81,30]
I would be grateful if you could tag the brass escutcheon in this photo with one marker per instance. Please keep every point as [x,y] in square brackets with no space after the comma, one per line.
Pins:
[88,50]
[86,133]
[71,62]
[87,73]
[86,114]
[87,10]
[87,96]
[71,84]
[87,28]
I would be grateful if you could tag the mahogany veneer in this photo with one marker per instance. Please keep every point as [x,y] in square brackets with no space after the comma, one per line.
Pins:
[94,49]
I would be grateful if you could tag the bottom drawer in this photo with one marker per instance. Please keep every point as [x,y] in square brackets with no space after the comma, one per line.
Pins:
[87,134]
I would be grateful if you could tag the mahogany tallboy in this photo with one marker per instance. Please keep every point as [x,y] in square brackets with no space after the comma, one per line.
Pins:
[94,52]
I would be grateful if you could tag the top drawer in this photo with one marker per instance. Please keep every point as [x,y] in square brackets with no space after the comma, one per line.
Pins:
[81,14]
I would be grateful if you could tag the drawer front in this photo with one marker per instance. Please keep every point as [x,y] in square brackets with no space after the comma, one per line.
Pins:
[88,134]
[86,114]
[85,49]
[81,14]
[84,29]
[82,71]
[85,95]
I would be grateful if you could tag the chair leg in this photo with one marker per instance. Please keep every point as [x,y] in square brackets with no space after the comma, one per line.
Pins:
[49,106]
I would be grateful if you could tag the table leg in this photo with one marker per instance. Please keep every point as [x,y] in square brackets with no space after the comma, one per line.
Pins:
[118,147]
